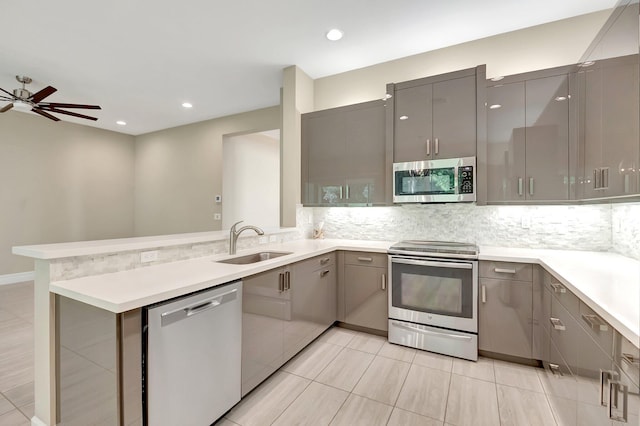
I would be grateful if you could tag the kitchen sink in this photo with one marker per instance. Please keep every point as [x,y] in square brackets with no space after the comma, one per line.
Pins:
[255,257]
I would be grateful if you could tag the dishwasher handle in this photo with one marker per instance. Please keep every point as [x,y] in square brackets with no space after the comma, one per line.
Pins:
[200,306]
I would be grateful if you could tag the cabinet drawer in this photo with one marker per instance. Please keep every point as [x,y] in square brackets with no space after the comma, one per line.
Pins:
[506,270]
[562,294]
[365,259]
[565,333]
[600,330]
[627,357]
[318,262]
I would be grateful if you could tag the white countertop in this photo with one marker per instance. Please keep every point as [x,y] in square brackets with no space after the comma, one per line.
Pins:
[608,283]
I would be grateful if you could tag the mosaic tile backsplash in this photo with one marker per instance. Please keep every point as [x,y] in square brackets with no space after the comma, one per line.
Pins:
[583,227]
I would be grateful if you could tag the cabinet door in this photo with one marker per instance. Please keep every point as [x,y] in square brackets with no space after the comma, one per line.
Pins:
[504,317]
[454,118]
[547,138]
[366,296]
[265,311]
[324,136]
[506,142]
[413,124]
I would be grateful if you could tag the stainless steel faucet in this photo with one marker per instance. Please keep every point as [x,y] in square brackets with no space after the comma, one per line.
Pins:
[233,235]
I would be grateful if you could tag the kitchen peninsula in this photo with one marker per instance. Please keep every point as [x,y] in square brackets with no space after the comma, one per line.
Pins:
[607,283]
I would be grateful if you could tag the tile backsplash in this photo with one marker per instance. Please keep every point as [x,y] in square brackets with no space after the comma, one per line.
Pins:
[580,227]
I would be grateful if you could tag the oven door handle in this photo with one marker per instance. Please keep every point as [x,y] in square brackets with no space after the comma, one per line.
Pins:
[433,333]
[432,263]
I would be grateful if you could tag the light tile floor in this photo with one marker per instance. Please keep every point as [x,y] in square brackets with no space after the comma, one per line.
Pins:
[16,354]
[351,378]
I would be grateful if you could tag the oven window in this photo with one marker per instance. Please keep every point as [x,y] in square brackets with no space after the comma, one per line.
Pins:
[436,290]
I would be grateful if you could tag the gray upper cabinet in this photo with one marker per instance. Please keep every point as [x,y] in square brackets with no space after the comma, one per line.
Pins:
[611,147]
[344,155]
[528,136]
[435,117]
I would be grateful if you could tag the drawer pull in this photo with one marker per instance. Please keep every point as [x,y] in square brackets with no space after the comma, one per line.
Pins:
[483,294]
[605,377]
[558,288]
[555,370]
[281,282]
[631,360]
[324,261]
[504,271]
[614,403]
[365,259]
[323,273]
[384,282]
[595,322]
[557,324]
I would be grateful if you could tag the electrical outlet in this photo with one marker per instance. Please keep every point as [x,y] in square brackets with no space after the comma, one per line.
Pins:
[218,198]
[217,216]
[526,222]
[148,256]
[273,238]
[262,240]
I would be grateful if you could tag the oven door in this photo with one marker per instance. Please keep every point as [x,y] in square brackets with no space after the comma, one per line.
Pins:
[438,292]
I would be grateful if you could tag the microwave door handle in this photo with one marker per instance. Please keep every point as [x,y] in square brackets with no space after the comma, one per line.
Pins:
[433,263]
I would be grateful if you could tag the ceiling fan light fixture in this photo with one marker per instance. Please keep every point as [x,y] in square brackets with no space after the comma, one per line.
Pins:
[22,105]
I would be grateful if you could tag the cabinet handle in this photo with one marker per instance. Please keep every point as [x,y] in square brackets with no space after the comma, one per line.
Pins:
[626,184]
[614,389]
[605,178]
[324,261]
[596,178]
[555,370]
[323,273]
[631,360]
[287,280]
[530,186]
[558,288]
[384,282]
[483,291]
[341,192]
[437,146]
[595,322]
[428,146]
[365,259]
[605,377]
[557,324]
[347,191]
[504,271]
[520,186]
[281,282]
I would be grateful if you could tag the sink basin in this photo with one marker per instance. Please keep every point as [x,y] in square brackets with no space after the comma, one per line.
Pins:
[255,257]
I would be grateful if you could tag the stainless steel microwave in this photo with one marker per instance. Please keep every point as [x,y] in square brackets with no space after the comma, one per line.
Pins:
[448,180]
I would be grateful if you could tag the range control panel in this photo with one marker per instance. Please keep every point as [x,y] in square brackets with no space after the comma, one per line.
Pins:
[465,179]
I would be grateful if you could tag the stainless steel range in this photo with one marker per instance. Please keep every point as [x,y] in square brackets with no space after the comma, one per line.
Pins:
[433,297]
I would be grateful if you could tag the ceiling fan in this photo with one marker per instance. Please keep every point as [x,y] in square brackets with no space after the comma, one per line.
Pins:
[24,100]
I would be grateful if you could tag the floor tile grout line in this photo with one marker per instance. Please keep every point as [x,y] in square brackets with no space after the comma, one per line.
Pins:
[291,403]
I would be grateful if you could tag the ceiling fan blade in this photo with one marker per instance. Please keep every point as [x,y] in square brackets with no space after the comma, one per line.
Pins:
[8,93]
[6,108]
[44,114]
[58,105]
[38,96]
[73,114]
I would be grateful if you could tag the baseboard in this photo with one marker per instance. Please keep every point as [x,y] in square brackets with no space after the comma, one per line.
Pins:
[18,277]
[37,422]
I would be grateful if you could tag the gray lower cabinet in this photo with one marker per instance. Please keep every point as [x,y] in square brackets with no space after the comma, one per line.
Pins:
[364,290]
[283,310]
[528,137]
[344,156]
[589,378]
[435,117]
[611,147]
[505,308]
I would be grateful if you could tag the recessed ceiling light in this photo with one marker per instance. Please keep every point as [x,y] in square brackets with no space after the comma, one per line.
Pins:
[334,34]
[121,123]
[187,105]
[495,106]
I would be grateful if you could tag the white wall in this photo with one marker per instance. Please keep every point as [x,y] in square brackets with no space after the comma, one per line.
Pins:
[178,172]
[61,182]
[251,180]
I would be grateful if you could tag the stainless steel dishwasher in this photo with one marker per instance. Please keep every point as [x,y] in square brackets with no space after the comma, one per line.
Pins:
[192,357]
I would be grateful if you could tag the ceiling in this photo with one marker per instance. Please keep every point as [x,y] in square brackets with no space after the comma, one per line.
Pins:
[140,60]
